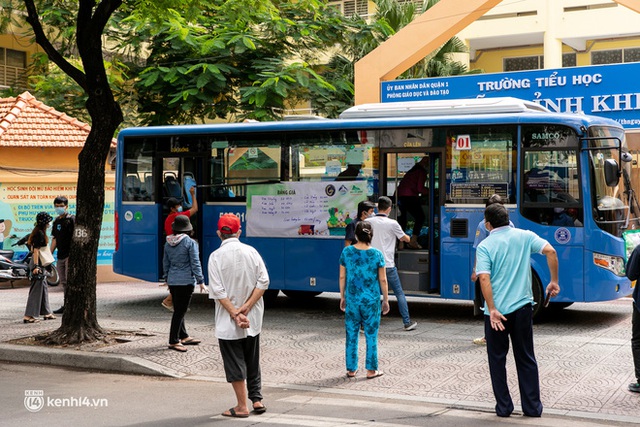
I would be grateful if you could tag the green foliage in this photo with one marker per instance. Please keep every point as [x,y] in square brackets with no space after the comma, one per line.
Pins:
[188,61]
[238,59]
[390,17]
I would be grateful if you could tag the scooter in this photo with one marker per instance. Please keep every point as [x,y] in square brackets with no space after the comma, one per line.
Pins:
[12,270]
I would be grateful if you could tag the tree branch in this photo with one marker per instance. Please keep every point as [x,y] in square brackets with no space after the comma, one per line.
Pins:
[34,20]
[90,25]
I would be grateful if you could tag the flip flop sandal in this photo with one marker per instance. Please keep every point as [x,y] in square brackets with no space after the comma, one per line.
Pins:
[31,320]
[376,375]
[260,409]
[232,413]
[178,347]
[352,374]
[191,341]
[49,317]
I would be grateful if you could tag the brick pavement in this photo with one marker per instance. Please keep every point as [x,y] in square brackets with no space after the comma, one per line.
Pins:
[583,352]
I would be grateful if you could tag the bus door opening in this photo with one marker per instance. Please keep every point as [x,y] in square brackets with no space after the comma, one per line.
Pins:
[179,176]
[411,180]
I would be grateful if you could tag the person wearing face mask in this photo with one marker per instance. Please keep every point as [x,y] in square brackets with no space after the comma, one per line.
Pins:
[365,210]
[38,300]
[175,209]
[61,235]
[561,218]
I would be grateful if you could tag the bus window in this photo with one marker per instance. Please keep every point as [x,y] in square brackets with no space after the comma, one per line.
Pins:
[550,176]
[551,189]
[331,156]
[138,183]
[241,161]
[609,211]
[481,161]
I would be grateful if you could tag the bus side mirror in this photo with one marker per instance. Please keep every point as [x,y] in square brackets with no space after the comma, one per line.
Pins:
[611,172]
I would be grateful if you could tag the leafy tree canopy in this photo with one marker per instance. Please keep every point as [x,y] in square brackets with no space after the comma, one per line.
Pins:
[238,58]
[390,17]
[193,61]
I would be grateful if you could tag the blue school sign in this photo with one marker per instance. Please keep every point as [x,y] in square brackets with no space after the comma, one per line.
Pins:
[611,91]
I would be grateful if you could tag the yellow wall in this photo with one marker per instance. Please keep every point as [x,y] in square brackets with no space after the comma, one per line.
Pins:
[12,41]
[491,60]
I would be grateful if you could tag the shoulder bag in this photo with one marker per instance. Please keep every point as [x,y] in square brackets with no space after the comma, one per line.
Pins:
[46,257]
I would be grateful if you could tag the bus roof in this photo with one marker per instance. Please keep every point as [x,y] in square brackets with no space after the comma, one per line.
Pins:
[443,107]
[394,118]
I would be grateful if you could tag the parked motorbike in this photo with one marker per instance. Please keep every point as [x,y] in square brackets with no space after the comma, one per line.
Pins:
[12,270]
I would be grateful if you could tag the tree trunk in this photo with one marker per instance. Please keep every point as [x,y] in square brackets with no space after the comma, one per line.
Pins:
[79,322]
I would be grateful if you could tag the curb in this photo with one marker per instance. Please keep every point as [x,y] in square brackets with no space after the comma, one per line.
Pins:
[84,360]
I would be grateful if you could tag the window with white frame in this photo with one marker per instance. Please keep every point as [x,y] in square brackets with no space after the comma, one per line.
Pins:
[351,7]
[13,68]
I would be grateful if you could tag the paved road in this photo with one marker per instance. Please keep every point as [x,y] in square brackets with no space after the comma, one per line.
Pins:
[583,352]
[67,397]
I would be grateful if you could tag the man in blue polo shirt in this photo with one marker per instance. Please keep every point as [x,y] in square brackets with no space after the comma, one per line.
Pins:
[503,266]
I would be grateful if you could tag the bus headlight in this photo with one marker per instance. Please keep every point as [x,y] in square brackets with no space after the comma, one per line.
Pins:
[614,264]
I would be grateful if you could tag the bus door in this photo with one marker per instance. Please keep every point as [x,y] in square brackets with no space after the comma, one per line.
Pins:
[178,175]
[412,180]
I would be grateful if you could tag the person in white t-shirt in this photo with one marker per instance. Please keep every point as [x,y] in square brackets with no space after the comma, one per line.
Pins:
[386,232]
[238,278]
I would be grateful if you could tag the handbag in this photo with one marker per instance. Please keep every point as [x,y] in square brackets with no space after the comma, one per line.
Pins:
[46,257]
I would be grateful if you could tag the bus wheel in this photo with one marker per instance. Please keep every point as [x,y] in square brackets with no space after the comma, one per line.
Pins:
[270,296]
[538,295]
[301,295]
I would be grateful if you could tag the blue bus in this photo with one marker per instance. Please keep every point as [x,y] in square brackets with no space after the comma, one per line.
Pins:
[295,185]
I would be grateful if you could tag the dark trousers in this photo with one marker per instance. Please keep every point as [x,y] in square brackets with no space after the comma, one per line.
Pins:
[241,360]
[412,206]
[38,300]
[478,300]
[635,339]
[181,298]
[519,326]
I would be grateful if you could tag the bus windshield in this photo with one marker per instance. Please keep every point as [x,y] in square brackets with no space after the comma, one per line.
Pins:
[609,210]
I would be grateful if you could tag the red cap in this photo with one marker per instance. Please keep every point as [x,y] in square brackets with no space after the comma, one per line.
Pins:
[228,224]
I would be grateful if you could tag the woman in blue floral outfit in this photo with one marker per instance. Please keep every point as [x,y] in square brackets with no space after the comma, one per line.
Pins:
[362,278]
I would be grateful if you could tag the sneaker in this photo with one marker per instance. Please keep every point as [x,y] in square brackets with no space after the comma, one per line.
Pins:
[634,387]
[167,306]
[480,341]
[410,326]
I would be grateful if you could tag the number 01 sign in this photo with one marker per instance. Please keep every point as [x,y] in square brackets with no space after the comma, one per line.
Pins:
[463,142]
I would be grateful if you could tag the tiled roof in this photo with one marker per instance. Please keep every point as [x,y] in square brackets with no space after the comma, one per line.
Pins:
[27,122]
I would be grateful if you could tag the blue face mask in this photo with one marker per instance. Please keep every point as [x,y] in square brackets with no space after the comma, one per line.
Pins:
[60,210]
[179,208]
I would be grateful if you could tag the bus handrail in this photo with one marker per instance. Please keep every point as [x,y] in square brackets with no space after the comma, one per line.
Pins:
[240,184]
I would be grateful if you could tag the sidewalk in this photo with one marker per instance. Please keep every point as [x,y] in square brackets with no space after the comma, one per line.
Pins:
[584,353]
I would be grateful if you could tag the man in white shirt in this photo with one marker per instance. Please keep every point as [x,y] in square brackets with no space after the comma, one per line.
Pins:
[237,280]
[385,233]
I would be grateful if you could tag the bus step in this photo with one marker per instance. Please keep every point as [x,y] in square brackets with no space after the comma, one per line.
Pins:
[414,280]
[413,260]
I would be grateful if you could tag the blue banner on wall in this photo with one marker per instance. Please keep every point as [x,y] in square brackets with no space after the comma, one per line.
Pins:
[611,91]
